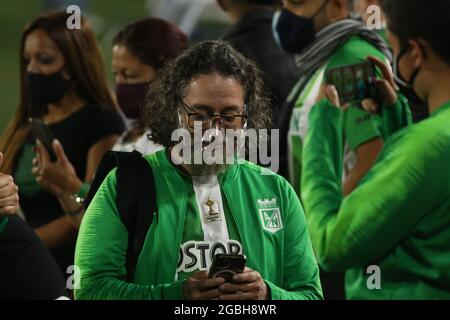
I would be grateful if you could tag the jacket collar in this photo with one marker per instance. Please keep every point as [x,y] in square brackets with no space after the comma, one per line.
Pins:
[164,163]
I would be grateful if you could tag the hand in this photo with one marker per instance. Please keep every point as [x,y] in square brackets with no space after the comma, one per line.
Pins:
[248,285]
[387,88]
[9,196]
[57,177]
[200,287]
[333,96]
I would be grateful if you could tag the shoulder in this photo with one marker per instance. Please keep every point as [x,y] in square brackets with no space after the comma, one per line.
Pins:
[261,184]
[354,50]
[102,122]
[428,140]
[263,178]
[105,113]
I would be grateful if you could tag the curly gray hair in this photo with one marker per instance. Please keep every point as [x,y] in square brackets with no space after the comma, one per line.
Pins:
[166,93]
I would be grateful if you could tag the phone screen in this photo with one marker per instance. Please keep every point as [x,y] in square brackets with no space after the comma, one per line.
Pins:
[227,265]
[352,82]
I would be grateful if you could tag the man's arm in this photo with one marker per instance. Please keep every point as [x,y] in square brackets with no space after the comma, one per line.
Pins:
[378,214]
[364,135]
[366,156]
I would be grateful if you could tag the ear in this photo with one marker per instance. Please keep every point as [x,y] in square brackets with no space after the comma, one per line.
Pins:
[418,52]
[222,5]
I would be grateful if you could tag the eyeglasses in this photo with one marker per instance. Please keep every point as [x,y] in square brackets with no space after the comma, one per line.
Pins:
[232,121]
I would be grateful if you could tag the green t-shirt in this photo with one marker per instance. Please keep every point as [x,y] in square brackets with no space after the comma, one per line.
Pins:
[397,219]
[359,126]
[22,175]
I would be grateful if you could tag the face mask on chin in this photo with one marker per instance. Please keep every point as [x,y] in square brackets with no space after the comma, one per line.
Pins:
[46,89]
[295,33]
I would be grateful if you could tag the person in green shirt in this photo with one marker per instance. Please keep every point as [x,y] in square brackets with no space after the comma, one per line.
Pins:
[396,221]
[203,209]
[322,36]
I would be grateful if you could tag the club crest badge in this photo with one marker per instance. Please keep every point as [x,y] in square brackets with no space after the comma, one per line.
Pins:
[270,215]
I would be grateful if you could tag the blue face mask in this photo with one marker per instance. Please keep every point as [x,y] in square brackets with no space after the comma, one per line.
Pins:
[294,33]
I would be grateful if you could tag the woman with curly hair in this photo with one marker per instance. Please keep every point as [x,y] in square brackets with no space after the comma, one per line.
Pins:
[203,209]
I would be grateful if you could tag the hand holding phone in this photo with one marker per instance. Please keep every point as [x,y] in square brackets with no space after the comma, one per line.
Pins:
[353,82]
[42,133]
[227,265]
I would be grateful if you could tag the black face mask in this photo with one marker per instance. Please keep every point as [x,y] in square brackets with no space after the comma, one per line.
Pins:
[399,78]
[295,33]
[46,89]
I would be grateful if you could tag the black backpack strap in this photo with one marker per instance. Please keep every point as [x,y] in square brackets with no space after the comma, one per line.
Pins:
[136,198]
[108,163]
[136,203]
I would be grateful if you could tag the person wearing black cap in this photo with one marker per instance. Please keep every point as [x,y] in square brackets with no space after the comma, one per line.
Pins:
[251,34]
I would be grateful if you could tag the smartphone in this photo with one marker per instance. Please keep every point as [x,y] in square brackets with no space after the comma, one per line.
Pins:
[227,265]
[353,82]
[42,133]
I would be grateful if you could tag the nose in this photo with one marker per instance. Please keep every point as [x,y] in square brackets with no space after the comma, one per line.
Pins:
[217,122]
[33,67]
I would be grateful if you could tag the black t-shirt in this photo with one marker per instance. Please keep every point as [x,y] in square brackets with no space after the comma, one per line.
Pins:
[77,134]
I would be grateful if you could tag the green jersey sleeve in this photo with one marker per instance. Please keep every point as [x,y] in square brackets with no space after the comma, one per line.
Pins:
[302,281]
[101,251]
[359,125]
[366,225]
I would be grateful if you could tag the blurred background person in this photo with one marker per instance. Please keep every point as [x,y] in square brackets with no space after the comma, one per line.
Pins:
[27,269]
[322,36]
[370,11]
[140,51]
[396,221]
[251,34]
[63,82]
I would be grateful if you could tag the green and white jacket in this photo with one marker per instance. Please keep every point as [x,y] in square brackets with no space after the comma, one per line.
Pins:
[244,209]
